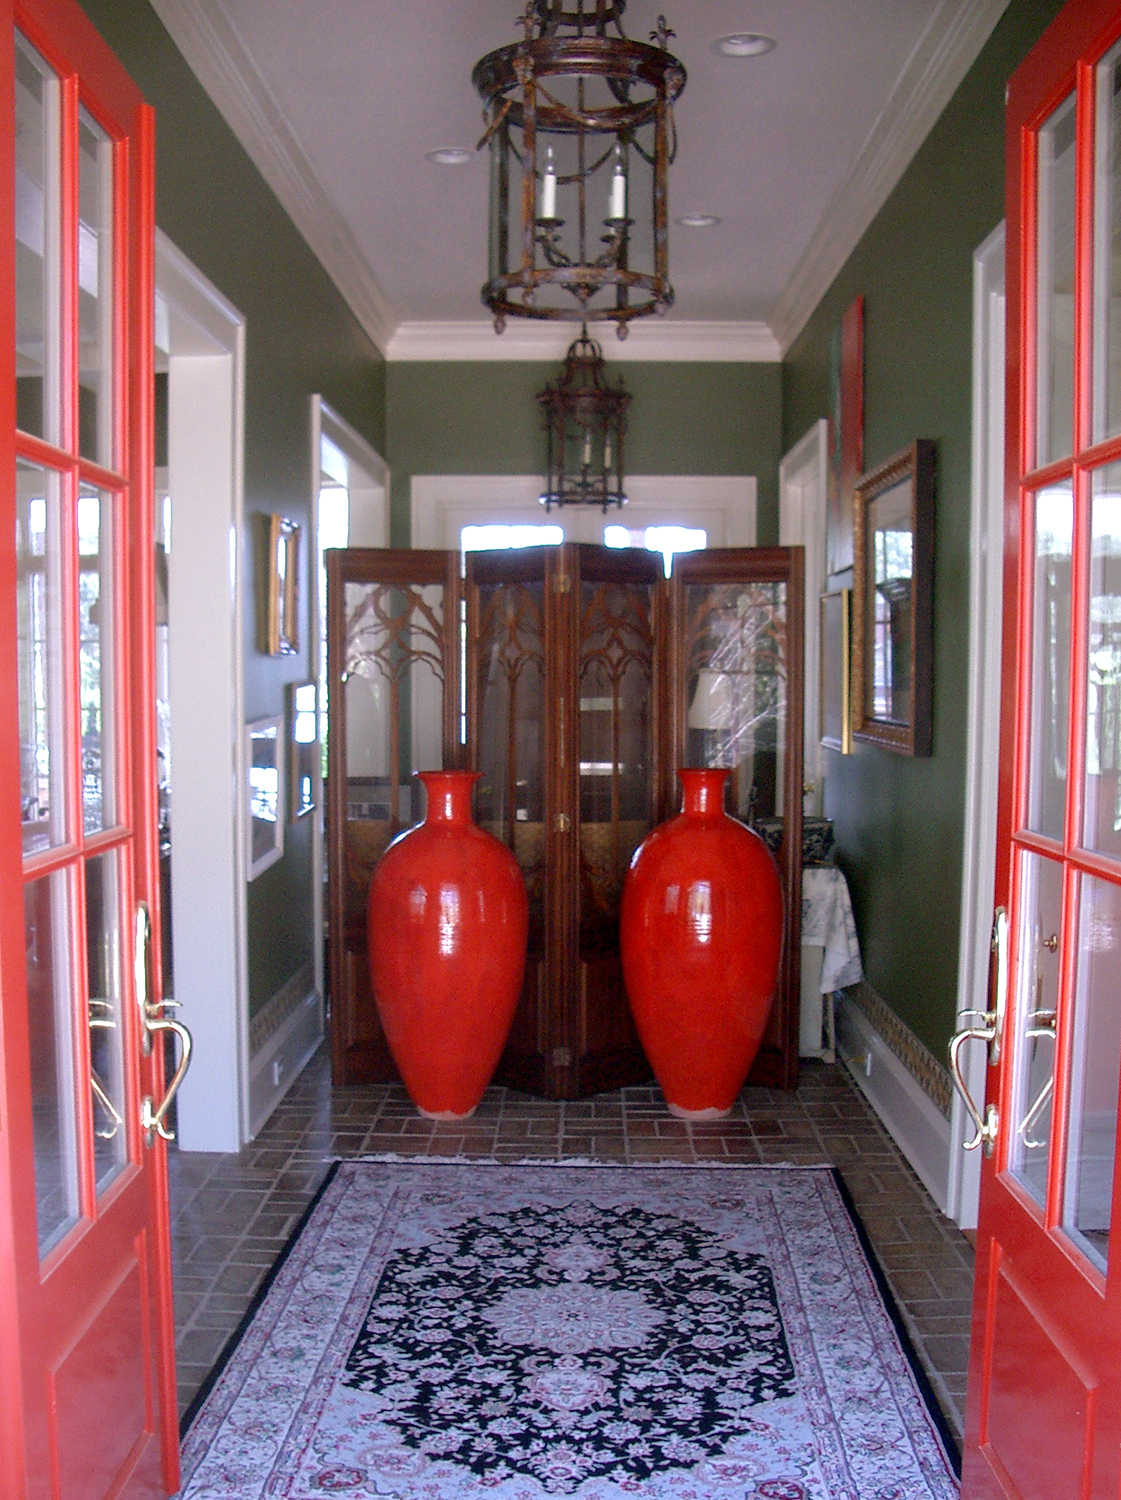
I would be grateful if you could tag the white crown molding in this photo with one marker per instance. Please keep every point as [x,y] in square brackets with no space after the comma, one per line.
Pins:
[943,55]
[648,339]
[217,56]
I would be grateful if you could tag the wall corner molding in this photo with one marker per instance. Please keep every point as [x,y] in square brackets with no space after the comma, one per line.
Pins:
[533,339]
[943,55]
[218,58]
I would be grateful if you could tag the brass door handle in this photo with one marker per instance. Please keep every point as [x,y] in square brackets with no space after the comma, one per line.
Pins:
[984,1026]
[152,1020]
[987,1126]
[151,1116]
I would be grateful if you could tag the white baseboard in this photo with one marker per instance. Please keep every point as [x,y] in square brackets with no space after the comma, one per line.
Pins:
[275,1068]
[912,1119]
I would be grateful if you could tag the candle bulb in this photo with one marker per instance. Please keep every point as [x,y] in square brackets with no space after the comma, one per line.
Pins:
[606,455]
[587,450]
[617,203]
[547,207]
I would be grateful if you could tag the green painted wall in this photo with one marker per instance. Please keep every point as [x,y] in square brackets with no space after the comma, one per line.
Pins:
[300,338]
[899,821]
[482,418]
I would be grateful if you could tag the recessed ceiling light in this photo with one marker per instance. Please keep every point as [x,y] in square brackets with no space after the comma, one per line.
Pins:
[744,44]
[698,221]
[450,156]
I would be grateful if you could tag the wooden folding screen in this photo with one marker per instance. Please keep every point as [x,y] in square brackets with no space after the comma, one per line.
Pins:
[584,687]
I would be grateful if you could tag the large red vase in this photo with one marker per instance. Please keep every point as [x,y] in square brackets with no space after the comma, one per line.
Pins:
[447,926]
[701,937]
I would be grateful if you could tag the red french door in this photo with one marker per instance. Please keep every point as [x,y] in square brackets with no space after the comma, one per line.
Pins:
[1044,1407]
[87,1401]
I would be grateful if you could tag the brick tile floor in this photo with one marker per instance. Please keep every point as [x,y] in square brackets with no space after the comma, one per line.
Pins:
[231,1215]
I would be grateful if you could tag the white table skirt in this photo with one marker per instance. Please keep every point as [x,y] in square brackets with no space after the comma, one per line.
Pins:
[827,922]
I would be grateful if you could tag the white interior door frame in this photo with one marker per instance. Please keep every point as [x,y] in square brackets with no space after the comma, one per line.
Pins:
[724,504]
[982,758]
[802,481]
[203,336]
[367,484]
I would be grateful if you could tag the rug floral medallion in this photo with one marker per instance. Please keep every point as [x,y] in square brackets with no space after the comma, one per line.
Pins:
[446,1330]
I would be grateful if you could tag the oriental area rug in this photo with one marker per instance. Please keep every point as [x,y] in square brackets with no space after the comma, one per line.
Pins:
[446,1330]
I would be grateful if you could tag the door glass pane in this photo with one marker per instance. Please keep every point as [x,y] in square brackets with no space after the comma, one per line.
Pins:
[510,798]
[46,938]
[95,591]
[38,200]
[616,743]
[95,291]
[394,670]
[1037,989]
[39,607]
[103,952]
[1107,258]
[1055,307]
[1050,693]
[735,689]
[1102,804]
[1095,1070]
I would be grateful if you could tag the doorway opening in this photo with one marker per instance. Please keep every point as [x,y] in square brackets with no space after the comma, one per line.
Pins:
[199,538]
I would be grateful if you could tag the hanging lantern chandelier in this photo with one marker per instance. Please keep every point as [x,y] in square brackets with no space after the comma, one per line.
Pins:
[585,419]
[579,123]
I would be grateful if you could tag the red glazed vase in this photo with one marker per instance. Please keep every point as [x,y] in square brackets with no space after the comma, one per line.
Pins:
[447,924]
[701,936]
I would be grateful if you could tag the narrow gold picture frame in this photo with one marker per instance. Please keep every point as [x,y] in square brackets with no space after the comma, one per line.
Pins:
[282,615]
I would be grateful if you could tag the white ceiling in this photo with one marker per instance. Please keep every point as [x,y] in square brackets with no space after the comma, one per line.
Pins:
[794,150]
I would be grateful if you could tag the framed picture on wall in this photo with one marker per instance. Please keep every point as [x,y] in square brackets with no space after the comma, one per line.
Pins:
[303,748]
[264,795]
[836,713]
[282,629]
[892,605]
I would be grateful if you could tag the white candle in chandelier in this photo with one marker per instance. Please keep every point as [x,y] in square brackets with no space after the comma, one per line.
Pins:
[606,455]
[547,207]
[617,203]
[587,449]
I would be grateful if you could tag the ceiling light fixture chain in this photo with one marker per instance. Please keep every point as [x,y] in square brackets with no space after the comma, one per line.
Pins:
[580,130]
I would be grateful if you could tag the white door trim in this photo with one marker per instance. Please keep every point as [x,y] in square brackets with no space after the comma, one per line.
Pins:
[441,504]
[802,482]
[369,528]
[982,759]
[204,336]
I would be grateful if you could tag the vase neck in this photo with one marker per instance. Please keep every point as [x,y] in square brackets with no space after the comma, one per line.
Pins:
[703,792]
[449,795]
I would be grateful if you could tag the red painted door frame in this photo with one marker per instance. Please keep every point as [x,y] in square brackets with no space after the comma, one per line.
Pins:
[1043,1417]
[117,1256]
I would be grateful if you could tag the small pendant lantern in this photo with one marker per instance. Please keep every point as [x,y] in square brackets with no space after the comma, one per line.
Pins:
[585,419]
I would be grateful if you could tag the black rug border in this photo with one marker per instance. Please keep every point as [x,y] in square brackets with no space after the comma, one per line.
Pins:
[251,1311]
[946,1433]
[926,1389]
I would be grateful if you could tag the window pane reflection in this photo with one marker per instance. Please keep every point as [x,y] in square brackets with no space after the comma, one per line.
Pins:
[39,613]
[95,623]
[95,291]
[1037,990]
[1102,807]
[103,951]
[1054,528]
[37,205]
[1055,290]
[1107,259]
[46,938]
[1095,1069]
